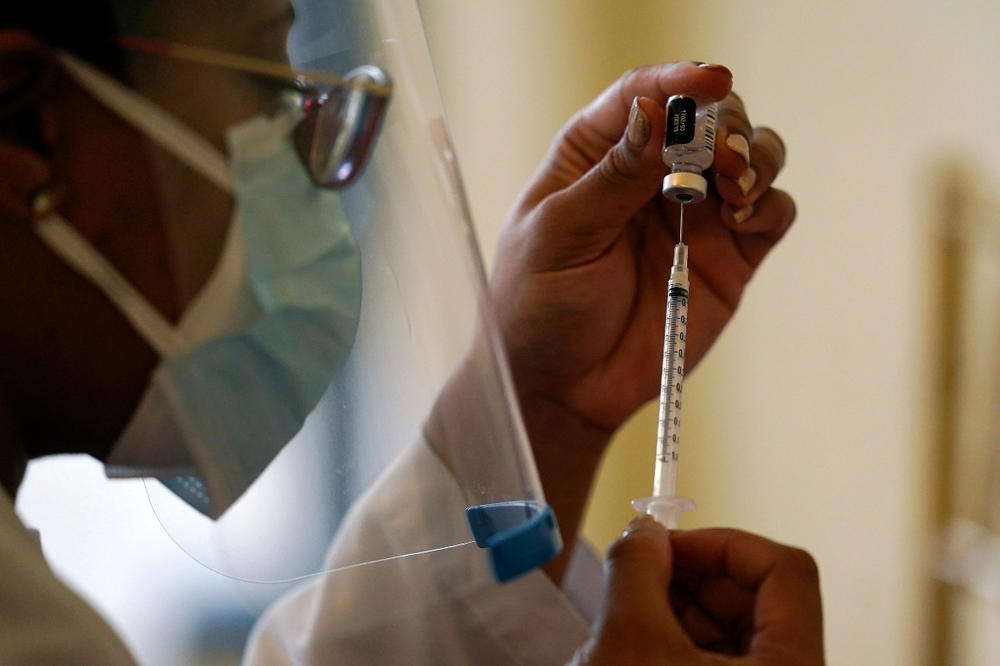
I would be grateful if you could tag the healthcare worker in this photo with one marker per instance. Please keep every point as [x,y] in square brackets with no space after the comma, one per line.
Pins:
[202,251]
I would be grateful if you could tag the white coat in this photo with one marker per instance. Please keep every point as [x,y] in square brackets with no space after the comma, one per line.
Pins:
[441,607]
[41,620]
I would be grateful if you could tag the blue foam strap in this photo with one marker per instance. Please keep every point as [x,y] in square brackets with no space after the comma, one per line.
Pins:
[520,535]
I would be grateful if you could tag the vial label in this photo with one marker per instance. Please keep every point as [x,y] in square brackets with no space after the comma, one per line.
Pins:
[680,121]
[711,117]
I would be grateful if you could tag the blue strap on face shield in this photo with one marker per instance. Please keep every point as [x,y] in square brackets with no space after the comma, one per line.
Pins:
[520,535]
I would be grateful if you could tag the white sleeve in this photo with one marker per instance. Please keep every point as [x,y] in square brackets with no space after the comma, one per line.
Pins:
[41,620]
[440,607]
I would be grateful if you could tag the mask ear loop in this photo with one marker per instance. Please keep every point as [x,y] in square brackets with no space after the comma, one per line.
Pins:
[80,255]
[77,251]
[173,136]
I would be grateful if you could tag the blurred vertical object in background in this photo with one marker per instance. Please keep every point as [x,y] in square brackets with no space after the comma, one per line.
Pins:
[965,397]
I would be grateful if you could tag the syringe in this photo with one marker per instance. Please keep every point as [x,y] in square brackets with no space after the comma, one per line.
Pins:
[665,506]
[688,149]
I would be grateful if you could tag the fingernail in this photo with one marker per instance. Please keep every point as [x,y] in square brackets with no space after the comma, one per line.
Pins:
[739,144]
[637,131]
[720,68]
[638,523]
[741,215]
[747,180]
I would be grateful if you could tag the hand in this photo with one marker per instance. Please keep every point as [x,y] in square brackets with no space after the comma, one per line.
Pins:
[582,264]
[734,598]
[579,281]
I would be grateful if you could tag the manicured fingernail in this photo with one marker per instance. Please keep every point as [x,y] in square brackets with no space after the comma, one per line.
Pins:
[721,68]
[739,144]
[747,180]
[741,215]
[637,132]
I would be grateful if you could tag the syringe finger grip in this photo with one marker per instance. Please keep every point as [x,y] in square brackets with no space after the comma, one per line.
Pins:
[664,510]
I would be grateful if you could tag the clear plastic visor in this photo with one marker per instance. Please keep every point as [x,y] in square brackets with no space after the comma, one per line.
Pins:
[332,368]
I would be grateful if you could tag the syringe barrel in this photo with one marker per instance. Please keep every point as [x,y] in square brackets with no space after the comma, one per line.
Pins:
[672,376]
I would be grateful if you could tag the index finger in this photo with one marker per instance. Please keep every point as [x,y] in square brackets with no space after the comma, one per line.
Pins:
[637,574]
[787,612]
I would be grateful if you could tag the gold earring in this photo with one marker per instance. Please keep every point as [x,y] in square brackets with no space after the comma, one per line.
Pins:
[42,204]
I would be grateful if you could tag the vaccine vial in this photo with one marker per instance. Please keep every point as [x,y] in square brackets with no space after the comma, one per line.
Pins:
[688,148]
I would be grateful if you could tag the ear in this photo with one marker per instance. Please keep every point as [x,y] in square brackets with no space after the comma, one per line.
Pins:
[29,129]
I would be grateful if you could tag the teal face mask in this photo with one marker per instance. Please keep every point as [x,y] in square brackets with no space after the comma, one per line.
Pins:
[258,346]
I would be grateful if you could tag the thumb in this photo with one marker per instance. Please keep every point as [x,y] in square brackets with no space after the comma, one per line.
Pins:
[585,217]
[636,624]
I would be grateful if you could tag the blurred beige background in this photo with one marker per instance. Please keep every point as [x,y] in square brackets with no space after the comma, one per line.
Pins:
[812,419]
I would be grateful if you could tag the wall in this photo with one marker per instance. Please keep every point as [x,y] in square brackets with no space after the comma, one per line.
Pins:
[809,420]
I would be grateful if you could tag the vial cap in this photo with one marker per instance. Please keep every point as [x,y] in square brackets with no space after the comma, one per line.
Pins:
[685,187]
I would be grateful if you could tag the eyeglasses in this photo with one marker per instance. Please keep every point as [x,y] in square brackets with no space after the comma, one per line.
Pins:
[340,126]
[341,115]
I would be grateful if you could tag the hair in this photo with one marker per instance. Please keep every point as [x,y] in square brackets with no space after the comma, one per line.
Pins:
[86,28]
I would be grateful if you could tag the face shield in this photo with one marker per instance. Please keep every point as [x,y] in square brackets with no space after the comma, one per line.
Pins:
[333,336]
